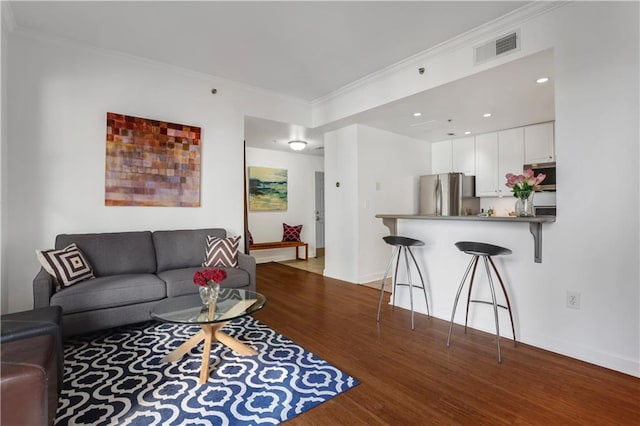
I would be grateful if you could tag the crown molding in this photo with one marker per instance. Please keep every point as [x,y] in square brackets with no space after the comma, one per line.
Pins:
[8,18]
[474,36]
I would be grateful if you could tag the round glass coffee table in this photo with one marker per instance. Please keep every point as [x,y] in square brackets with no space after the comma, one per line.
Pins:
[189,309]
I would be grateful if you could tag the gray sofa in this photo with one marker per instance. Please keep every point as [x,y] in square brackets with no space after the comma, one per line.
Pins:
[134,271]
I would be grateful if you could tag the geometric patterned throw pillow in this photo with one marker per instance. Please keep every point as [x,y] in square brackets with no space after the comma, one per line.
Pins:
[291,233]
[221,252]
[68,266]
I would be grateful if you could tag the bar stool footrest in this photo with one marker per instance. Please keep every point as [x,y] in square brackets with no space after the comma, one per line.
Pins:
[409,285]
[488,303]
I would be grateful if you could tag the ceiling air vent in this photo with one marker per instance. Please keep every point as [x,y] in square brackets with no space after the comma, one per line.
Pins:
[496,47]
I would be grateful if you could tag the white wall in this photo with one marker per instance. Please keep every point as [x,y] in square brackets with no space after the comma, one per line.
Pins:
[58,97]
[377,171]
[267,226]
[341,203]
[593,248]
[3,157]
[388,168]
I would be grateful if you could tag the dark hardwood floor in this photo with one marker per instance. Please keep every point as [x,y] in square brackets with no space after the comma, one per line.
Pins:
[411,378]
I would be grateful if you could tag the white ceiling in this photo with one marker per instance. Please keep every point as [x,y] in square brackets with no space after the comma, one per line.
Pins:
[302,49]
[509,92]
[308,50]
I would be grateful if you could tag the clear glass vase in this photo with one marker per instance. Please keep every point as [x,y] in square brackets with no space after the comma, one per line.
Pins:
[524,205]
[209,294]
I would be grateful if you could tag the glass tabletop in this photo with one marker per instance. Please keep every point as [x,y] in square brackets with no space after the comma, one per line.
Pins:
[232,303]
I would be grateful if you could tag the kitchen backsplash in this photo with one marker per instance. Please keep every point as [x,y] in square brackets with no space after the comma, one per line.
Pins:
[502,206]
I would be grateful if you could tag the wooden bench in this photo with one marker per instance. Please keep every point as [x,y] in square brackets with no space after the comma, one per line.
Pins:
[282,244]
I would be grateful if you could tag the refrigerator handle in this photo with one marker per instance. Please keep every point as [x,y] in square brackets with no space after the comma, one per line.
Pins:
[438,195]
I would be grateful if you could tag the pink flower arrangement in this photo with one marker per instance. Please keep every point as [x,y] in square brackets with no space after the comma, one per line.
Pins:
[523,185]
[207,277]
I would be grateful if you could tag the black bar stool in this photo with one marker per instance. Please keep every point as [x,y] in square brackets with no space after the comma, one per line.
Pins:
[478,250]
[399,244]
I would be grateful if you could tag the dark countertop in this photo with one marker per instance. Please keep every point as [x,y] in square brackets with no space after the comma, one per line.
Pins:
[532,219]
[535,224]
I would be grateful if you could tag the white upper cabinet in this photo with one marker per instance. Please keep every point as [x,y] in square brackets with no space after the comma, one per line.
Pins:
[441,157]
[487,165]
[464,155]
[497,154]
[510,156]
[539,143]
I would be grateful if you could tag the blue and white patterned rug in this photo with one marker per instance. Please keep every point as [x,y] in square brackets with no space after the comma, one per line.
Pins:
[115,377]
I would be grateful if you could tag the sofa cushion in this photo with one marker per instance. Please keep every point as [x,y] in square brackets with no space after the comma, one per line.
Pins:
[109,292]
[68,266]
[221,252]
[180,281]
[182,248]
[114,253]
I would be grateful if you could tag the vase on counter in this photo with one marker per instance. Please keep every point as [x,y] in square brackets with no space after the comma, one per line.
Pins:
[524,204]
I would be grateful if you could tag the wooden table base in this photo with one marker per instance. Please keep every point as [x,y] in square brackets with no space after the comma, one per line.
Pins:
[210,333]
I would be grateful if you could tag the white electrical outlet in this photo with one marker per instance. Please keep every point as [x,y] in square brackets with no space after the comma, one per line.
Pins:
[573,299]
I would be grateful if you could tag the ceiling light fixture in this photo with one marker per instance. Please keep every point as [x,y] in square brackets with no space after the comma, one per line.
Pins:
[542,80]
[297,145]
[417,114]
[487,115]
[467,132]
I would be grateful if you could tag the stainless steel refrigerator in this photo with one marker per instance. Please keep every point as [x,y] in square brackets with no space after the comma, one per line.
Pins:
[448,194]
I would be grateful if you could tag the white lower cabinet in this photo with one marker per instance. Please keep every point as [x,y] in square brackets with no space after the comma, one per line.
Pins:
[497,154]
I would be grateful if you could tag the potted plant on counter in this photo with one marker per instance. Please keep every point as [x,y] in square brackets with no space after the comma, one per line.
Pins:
[523,187]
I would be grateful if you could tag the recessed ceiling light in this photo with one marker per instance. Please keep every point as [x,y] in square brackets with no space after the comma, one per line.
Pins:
[417,114]
[542,80]
[487,115]
[467,133]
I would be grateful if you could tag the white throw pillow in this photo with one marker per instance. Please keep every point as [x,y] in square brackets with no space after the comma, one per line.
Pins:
[68,266]
[221,252]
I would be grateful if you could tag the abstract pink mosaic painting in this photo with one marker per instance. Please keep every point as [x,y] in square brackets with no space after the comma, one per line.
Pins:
[151,163]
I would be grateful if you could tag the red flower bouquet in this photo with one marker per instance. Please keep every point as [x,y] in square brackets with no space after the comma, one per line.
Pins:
[209,277]
[209,281]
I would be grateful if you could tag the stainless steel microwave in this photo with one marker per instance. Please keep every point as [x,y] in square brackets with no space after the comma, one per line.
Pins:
[549,169]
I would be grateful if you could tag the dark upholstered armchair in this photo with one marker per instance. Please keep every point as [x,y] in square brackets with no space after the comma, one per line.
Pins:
[32,366]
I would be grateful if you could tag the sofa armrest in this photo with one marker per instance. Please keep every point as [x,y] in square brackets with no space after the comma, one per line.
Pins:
[43,289]
[248,263]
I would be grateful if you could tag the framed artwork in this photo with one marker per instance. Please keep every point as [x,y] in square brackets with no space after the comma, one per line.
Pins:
[151,163]
[267,189]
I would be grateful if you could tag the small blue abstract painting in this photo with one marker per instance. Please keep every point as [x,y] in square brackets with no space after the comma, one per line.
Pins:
[267,189]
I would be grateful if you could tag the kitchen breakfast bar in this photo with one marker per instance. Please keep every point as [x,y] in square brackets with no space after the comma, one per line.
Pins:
[535,224]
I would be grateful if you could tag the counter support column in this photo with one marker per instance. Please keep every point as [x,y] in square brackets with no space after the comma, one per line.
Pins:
[392,224]
[536,230]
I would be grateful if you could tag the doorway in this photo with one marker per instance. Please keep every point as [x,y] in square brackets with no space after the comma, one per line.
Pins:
[315,264]
[319,201]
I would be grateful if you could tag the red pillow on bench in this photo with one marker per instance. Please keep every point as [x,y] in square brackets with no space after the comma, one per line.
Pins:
[291,233]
